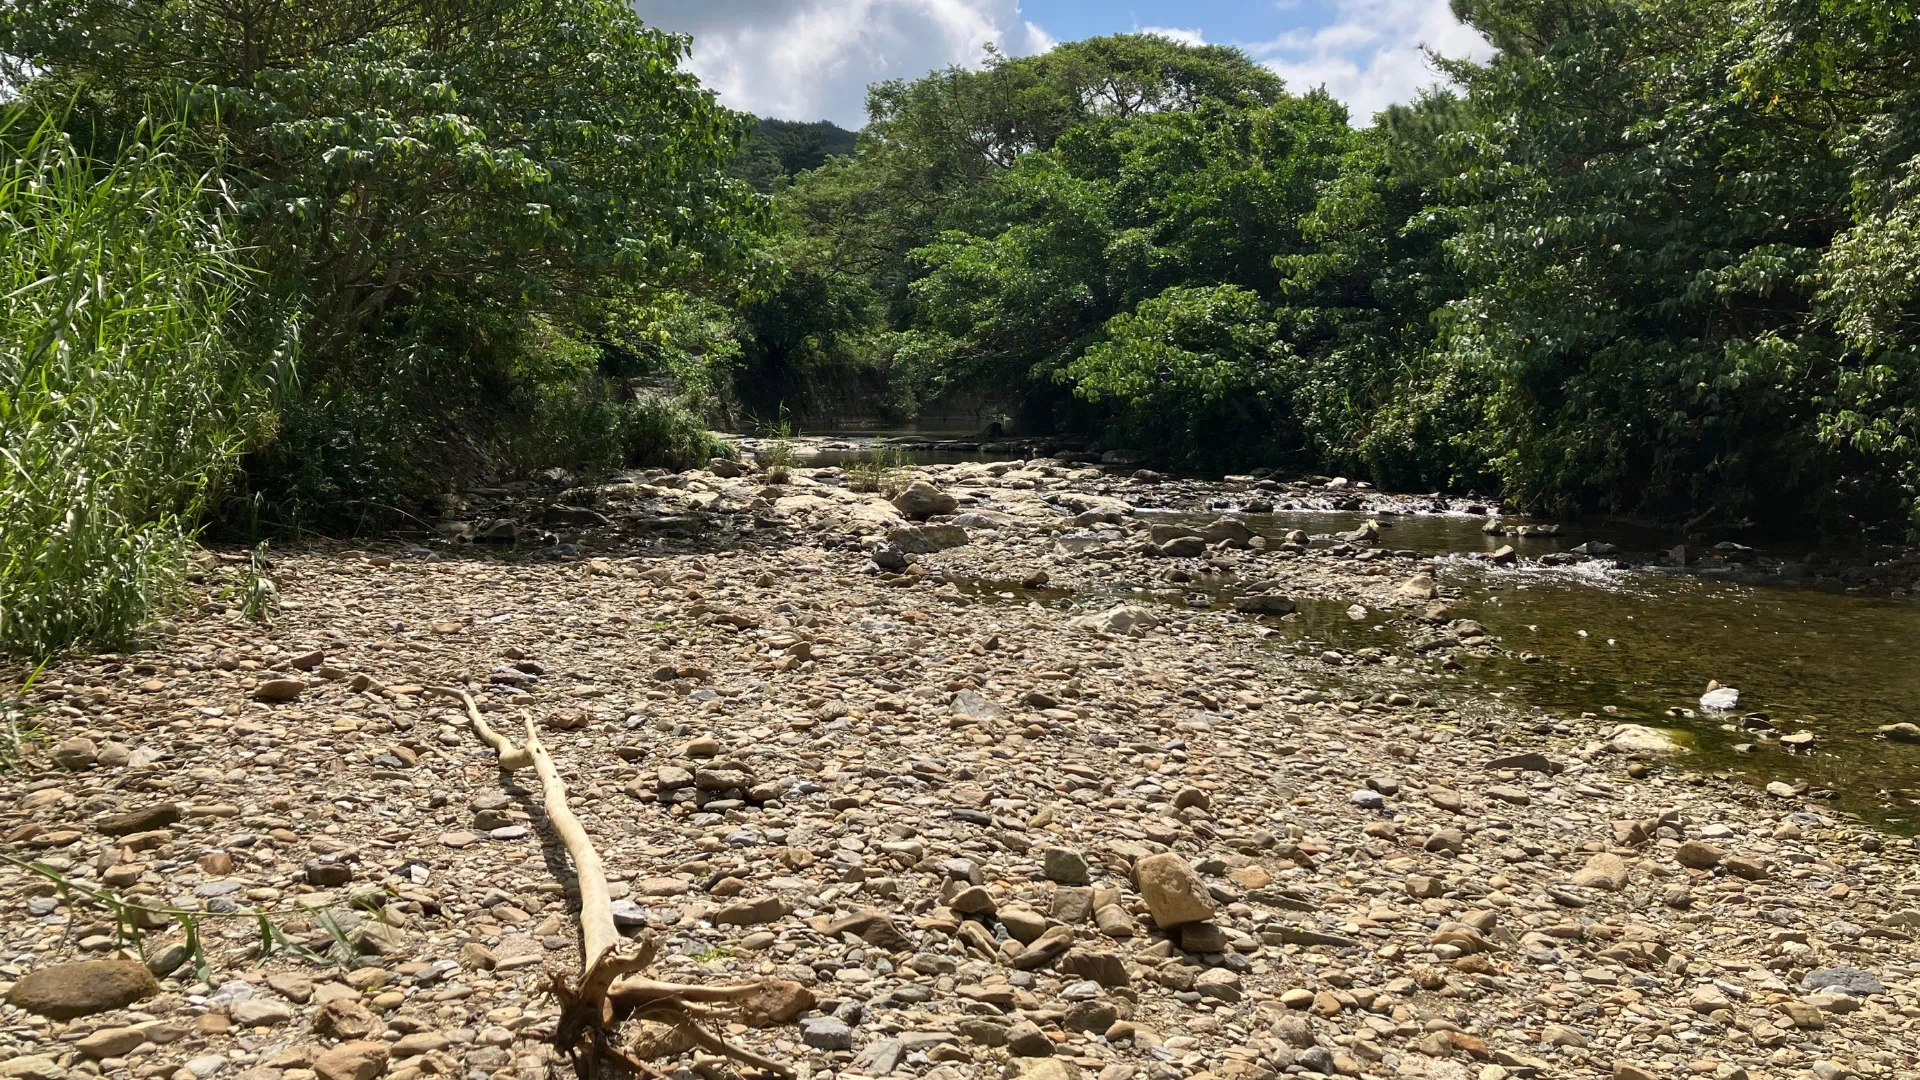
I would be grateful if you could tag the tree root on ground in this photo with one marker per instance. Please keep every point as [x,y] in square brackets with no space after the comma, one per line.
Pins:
[609,992]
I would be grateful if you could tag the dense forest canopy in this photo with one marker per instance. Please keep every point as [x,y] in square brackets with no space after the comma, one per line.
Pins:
[1656,257]
[778,150]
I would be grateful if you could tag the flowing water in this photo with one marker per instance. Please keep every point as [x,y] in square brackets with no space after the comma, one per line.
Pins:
[1639,646]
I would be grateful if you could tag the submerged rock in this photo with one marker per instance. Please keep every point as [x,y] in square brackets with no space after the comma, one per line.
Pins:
[1640,739]
[1265,604]
[1119,620]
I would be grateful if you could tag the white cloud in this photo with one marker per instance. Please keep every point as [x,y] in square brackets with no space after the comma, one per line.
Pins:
[1174,33]
[1369,55]
[809,59]
[812,59]
[1029,40]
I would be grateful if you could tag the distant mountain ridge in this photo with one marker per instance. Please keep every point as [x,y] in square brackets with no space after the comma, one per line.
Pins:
[784,148]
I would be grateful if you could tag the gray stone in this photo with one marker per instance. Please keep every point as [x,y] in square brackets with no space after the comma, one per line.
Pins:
[1182,547]
[826,1033]
[922,500]
[1025,1039]
[974,706]
[880,1058]
[1858,982]
[1071,905]
[77,754]
[1065,866]
[927,539]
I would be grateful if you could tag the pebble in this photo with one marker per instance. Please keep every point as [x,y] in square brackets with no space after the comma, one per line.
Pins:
[1095,831]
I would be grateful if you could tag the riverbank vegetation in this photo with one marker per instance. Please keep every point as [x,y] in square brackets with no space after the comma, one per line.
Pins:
[1655,258]
[300,267]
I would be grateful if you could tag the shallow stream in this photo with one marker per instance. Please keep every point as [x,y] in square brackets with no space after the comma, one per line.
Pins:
[1638,646]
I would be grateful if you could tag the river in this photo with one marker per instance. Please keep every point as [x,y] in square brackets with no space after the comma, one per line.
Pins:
[1641,645]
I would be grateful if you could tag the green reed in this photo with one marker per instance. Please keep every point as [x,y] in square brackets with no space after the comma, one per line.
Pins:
[123,394]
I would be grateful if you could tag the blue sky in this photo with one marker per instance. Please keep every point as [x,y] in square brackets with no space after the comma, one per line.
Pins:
[1221,19]
[812,59]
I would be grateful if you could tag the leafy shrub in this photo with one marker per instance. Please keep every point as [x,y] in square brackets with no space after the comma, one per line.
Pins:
[665,432]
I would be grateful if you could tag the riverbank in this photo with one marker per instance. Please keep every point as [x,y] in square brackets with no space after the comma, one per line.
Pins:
[918,765]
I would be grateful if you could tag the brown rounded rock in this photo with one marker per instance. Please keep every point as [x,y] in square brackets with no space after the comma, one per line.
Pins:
[1698,855]
[1173,892]
[279,690]
[64,991]
[357,1060]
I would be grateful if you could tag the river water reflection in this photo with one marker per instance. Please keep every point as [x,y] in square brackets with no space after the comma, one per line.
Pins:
[1646,642]
[1638,645]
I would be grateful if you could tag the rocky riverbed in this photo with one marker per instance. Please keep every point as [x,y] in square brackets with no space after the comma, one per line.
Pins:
[1017,778]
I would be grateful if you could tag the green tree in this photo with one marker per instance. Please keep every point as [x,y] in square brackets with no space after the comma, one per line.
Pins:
[1118,212]
[1357,306]
[781,149]
[1643,240]
[445,187]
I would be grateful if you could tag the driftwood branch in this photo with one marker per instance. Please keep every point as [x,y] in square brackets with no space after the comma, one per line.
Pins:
[512,758]
[608,992]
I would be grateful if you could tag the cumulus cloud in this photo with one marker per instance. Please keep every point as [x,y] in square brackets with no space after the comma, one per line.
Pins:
[1175,33]
[812,59]
[1370,54]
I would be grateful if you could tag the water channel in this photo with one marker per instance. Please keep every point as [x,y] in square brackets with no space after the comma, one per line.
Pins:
[1640,646]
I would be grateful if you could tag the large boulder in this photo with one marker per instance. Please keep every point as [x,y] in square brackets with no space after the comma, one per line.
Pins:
[65,991]
[926,539]
[922,500]
[1182,547]
[1173,891]
[1233,531]
[1118,620]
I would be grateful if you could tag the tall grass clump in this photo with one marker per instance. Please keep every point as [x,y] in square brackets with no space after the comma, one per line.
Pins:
[124,393]
[884,471]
